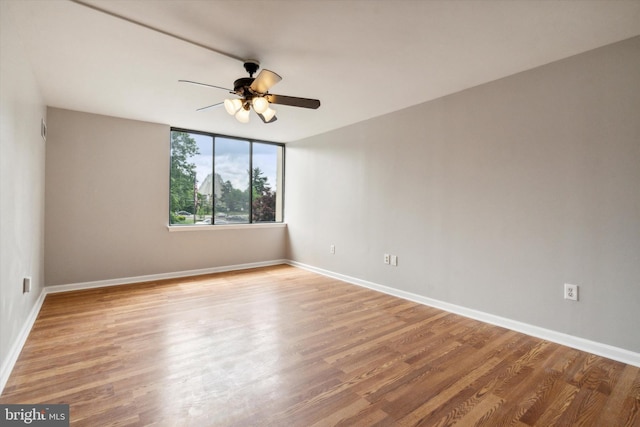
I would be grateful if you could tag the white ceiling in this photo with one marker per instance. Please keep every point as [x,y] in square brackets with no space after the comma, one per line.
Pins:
[361,58]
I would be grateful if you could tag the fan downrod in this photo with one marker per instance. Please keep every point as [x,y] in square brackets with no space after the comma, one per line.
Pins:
[251,65]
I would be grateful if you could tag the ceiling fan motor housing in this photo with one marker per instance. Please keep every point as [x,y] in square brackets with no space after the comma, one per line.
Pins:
[241,86]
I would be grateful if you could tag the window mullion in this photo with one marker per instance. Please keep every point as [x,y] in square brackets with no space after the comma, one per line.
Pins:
[213,180]
[250,182]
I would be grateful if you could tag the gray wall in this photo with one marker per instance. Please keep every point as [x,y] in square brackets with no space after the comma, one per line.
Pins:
[22,162]
[492,198]
[107,204]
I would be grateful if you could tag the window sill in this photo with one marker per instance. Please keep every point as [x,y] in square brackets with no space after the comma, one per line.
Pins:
[180,228]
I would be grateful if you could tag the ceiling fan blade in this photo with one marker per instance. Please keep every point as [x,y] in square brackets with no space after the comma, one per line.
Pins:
[210,106]
[204,84]
[264,81]
[293,101]
[273,119]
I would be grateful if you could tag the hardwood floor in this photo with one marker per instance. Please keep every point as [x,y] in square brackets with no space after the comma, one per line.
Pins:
[282,346]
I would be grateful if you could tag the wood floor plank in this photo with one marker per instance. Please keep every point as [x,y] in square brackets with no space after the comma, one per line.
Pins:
[476,411]
[422,413]
[437,380]
[283,346]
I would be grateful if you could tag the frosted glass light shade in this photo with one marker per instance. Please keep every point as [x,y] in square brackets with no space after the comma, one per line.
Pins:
[260,105]
[232,105]
[268,114]
[243,115]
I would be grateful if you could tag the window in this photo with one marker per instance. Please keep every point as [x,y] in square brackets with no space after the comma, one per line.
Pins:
[218,179]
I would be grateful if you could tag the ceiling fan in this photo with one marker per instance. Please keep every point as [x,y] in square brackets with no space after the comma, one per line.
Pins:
[254,92]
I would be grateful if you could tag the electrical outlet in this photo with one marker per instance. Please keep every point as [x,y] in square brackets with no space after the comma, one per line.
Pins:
[332,249]
[26,285]
[394,260]
[387,259]
[571,292]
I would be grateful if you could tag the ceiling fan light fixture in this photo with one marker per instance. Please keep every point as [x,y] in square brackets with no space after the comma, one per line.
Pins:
[232,105]
[243,115]
[260,104]
[268,114]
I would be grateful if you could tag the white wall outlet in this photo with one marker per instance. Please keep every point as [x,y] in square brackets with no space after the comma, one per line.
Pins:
[387,259]
[571,292]
[394,260]
[332,249]
[26,285]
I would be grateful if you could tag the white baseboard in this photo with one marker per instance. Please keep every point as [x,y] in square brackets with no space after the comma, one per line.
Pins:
[16,348]
[154,277]
[600,349]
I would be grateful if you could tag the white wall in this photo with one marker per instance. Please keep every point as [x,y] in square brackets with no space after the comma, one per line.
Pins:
[22,162]
[107,204]
[492,198]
